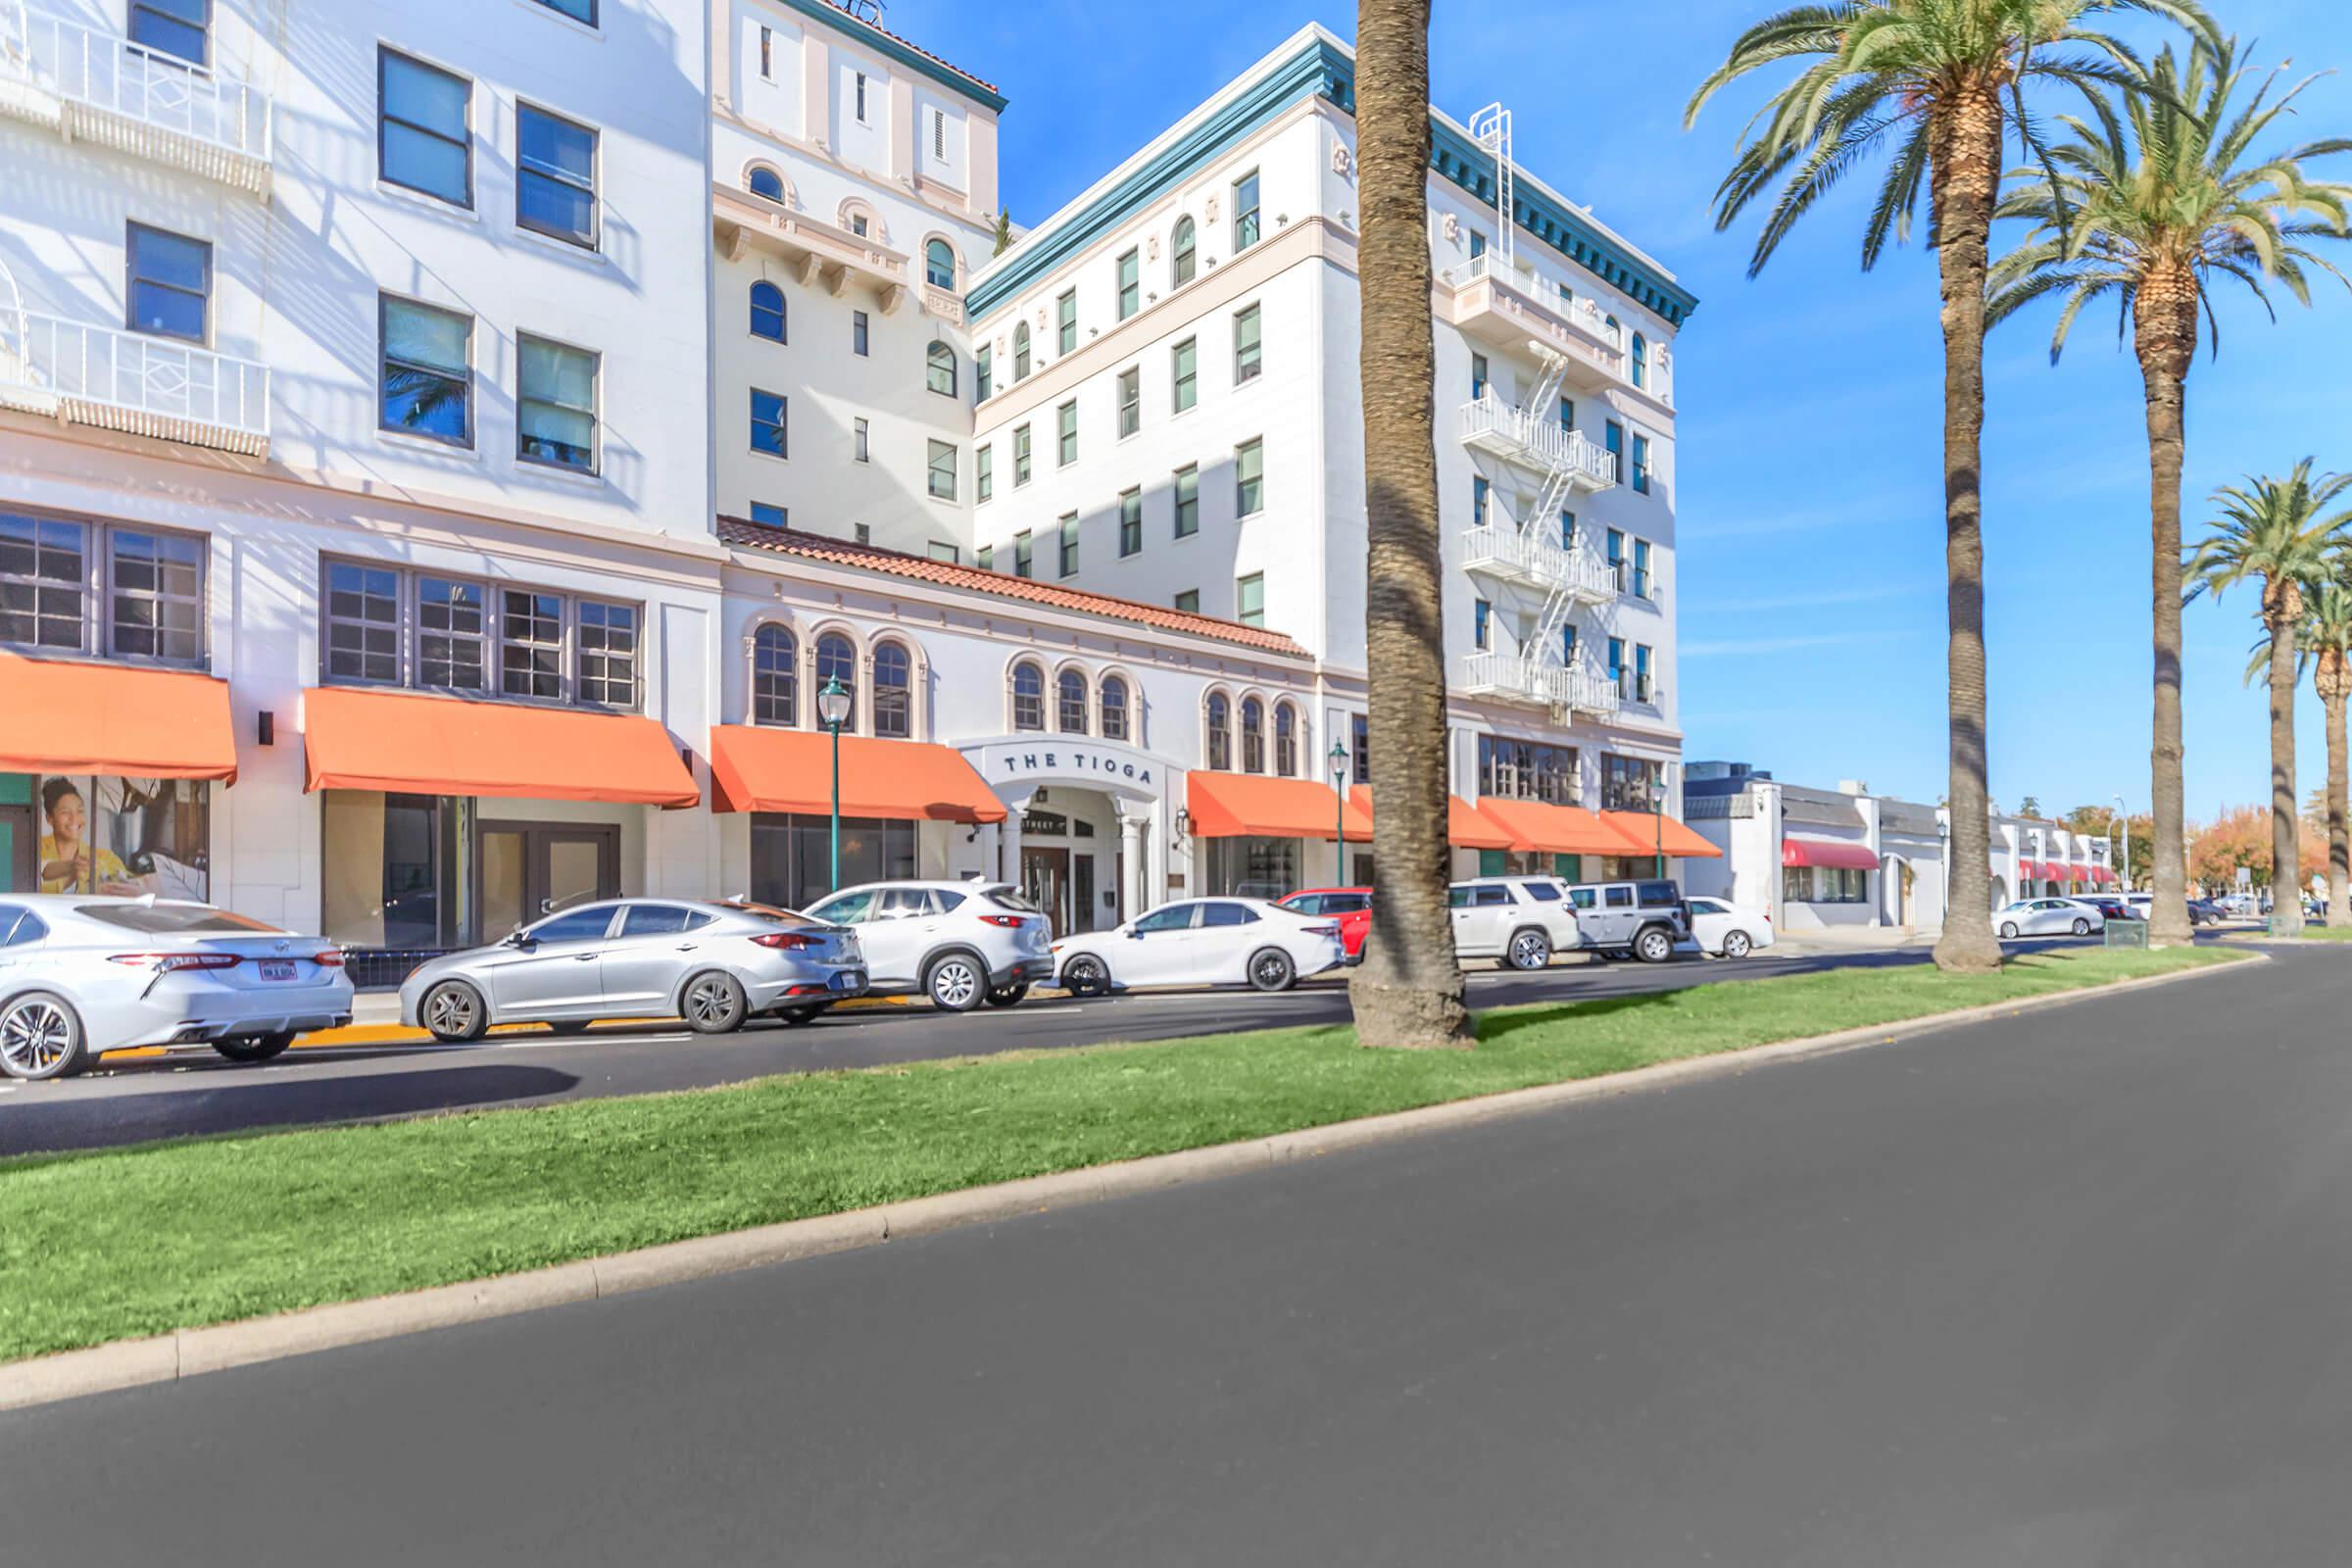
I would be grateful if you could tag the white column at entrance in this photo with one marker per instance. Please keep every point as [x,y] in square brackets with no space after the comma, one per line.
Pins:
[1008,839]
[1156,827]
[1134,825]
[990,848]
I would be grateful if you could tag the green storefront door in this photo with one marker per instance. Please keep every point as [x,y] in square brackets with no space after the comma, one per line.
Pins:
[18,838]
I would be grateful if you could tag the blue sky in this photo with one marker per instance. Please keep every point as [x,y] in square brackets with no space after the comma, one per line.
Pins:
[1810,514]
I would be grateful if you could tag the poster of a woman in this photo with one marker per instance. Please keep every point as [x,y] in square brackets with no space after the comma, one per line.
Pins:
[70,862]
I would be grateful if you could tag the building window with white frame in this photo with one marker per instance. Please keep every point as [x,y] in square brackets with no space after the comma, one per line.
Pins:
[1066,419]
[837,663]
[175,27]
[1250,601]
[554,177]
[1286,741]
[1131,283]
[1131,400]
[1066,317]
[1131,522]
[1183,249]
[1020,455]
[860,95]
[862,449]
[1068,532]
[424,136]
[1644,688]
[1245,212]
[1640,465]
[1189,601]
[939,369]
[768,413]
[1250,478]
[169,283]
[1254,735]
[861,334]
[763,181]
[1184,364]
[767,312]
[72,586]
[941,470]
[1188,501]
[1220,733]
[939,264]
[427,382]
[1028,696]
[555,421]
[984,373]
[608,638]
[767,54]
[1069,703]
[393,627]
[775,676]
[1114,709]
[894,691]
[983,473]
[946,554]
[1630,783]
[1249,358]
[531,644]
[1024,555]
[1020,351]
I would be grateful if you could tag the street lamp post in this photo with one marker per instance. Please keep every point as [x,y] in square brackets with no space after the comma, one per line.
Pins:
[833,710]
[1944,834]
[1339,825]
[2123,865]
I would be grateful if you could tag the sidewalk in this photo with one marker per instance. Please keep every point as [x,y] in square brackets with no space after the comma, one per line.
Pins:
[1852,939]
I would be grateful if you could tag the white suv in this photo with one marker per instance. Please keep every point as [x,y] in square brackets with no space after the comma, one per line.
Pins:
[963,943]
[1519,921]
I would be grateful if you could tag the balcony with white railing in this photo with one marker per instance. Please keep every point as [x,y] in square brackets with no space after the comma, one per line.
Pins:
[96,86]
[1518,435]
[1571,688]
[79,373]
[1507,307]
[1508,554]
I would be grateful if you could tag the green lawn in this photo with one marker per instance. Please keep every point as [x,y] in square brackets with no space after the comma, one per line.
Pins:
[132,1242]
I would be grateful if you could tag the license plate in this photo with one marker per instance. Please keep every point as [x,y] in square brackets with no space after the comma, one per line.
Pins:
[845,981]
[277,969]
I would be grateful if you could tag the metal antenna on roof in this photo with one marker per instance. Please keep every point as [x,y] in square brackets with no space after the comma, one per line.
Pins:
[1490,128]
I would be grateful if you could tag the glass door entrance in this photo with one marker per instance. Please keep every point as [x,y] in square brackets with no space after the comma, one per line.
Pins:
[1045,878]
[529,870]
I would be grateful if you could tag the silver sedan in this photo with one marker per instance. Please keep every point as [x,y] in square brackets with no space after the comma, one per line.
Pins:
[2041,917]
[82,974]
[711,964]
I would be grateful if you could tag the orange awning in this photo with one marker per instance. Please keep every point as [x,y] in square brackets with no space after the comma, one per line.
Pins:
[1551,829]
[756,768]
[58,717]
[1652,835]
[1466,829]
[1233,805]
[406,744]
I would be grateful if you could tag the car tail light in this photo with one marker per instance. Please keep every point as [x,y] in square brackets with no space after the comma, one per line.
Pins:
[788,941]
[1010,922]
[330,959]
[165,962]
[1330,928]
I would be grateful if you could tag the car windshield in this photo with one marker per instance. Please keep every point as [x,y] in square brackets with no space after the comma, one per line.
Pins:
[178,919]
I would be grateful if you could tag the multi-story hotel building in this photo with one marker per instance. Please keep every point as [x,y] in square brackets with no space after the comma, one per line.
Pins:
[445,456]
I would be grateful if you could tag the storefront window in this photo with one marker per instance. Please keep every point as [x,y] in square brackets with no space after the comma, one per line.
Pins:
[129,836]
[792,856]
[1797,884]
[1630,783]
[391,865]
[1255,868]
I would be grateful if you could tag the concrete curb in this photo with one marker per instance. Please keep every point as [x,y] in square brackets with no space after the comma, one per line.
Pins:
[190,1352]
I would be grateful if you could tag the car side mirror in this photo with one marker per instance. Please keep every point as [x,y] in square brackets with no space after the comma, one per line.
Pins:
[519,938]
[1135,935]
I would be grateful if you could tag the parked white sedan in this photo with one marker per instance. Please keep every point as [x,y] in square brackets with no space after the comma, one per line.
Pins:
[1202,942]
[1724,930]
[82,973]
[2045,917]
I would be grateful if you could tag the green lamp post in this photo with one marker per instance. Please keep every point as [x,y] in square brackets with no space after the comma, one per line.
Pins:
[833,711]
[1338,826]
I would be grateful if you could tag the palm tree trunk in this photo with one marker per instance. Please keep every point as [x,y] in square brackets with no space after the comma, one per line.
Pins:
[2339,833]
[1408,991]
[2166,324]
[2286,892]
[1965,156]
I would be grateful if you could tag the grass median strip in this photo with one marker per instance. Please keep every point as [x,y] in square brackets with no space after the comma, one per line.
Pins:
[138,1240]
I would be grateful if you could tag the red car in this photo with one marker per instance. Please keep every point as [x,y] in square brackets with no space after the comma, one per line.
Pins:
[1352,906]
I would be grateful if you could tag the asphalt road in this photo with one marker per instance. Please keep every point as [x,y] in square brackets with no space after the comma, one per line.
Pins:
[2065,1288]
[196,1090]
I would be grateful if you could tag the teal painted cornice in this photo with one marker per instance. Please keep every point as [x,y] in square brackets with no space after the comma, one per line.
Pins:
[1321,70]
[898,49]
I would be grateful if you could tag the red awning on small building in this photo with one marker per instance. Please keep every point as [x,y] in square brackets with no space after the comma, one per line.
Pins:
[1840,855]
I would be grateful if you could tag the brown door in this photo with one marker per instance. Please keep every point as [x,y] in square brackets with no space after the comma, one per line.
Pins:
[529,870]
[1045,878]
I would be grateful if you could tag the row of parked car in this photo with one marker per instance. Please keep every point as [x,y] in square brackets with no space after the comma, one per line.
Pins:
[80,975]
[2080,915]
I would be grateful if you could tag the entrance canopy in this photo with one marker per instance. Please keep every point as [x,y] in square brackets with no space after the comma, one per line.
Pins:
[1239,806]
[404,744]
[1549,829]
[756,768]
[57,717]
[1466,829]
[1842,855]
[1651,833]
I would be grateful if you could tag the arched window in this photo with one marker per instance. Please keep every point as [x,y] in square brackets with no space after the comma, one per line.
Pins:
[1028,696]
[767,310]
[1020,351]
[1253,736]
[1114,709]
[765,181]
[837,660]
[1070,703]
[1286,740]
[939,369]
[939,264]
[775,676]
[1220,733]
[1641,359]
[1180,251]
[894,691]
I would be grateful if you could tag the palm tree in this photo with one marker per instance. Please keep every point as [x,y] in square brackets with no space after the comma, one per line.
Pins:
[2272,530]
[2323,642]
[1942,84]
[2151,207]
[1408,990]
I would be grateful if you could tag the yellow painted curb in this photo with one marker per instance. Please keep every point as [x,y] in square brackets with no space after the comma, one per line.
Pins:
[393,1034]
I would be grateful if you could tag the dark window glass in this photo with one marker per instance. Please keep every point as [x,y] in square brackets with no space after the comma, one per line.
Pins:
[1227,915]
[576,926]
[767,310]
[767,423]
[1220,733]
[653,920]
[1658,894]
[452,634]
[791,855]
[577,10]
[556,412]
[766,181]
[1028,697]
[43,574]
[531,644]
[1070,703]
[423,139]
[939,264]
[837,660]
[157,606]
[19,927]
[894,691]
[362,623]
[554,177]
[775,677]
[1114,709]
[171,283]
[428,371]
[173,28]
[1618,898]
[608,654]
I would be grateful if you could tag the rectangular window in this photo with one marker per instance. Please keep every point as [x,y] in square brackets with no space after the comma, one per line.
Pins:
[1480,492]
[1567,530]
[1069,544]
[1630,783]
[1250,478]
[949,554]
[1244,211]
[608,654]
[938,135]
[984,557]
[943,471]
[1185,361]
[984,372]
[149,603]
[1478,244]
[861,442]
[169,284]
[1360,739]
[1617,663]
[1613,437]
[770,516]
[155,596]
[427,382]
[1482,625]
[1248,353]
[1644,691]
[857,333]
[1568,647]
[1567,414]
[1020,457]
[452,635]
[1188,501]
[1615,556]
[1250,598]
[175,27]
[767,54]
[1066,316]
[983,473]
[423,133]
[1067,417]
[1131,522]
[1642,464]
[1478,377]
[542,645]
[362,623]
[860,94]
[863,533]
[767,424]
[1131,400]
[1641,582]
[554,177]
[1130,284]
[530,638]
[1189,601]
[555,420]
[1024,558]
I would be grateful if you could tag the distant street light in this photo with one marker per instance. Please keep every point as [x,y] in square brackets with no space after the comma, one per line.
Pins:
[1338,826]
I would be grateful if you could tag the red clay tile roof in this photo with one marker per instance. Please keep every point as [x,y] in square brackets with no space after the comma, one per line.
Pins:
[921,569]
[911,44]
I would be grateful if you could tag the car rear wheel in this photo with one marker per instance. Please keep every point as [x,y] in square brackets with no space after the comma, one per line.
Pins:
[453,1011]
[1735,944]
[957,982]
[40,1037]
[2009,929]
[712,1004]
[2082,928]
[254,1047]
[1654,944]
[1271,970]
[1530,949]
[1085,976]
[1009,995]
